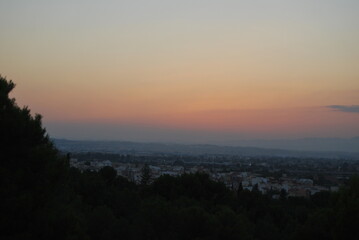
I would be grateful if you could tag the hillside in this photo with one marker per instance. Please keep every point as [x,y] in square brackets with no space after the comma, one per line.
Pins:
[182,149]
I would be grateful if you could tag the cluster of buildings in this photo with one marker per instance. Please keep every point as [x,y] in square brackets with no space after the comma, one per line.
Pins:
[292,186]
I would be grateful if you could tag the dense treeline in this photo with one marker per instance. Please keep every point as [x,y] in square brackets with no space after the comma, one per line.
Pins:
[43,198]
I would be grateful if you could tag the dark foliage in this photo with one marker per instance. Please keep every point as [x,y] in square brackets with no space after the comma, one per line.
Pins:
[43,198]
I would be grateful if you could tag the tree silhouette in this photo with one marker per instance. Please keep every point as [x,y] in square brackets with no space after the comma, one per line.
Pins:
[31,171]
[145,174]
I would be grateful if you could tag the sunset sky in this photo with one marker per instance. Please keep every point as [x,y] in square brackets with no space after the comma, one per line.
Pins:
[185,71]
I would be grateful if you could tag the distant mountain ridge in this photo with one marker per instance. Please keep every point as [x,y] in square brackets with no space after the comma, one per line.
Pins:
[124,147]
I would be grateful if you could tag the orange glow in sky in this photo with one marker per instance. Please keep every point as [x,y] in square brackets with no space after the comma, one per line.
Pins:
[267,69]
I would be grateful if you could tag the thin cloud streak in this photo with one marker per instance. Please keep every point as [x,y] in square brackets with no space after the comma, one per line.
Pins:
[343,108]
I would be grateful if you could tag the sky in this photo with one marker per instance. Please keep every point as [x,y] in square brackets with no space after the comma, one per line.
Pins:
[185,71]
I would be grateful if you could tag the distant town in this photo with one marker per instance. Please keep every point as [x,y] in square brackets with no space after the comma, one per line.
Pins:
[289,176]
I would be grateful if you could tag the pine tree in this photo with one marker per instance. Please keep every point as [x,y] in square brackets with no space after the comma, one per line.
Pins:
[145,175]
[31,171]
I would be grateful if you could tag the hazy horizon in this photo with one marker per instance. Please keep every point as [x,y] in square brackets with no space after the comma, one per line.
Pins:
[111,132]
[319,147]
